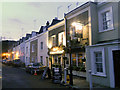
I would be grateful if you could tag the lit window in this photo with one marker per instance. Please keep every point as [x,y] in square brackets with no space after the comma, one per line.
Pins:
[53,40]
[74,59]
[76,30]
[60,38]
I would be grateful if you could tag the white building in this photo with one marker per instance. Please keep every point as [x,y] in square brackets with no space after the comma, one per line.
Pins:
[42,48]
[22,50]
[27,52]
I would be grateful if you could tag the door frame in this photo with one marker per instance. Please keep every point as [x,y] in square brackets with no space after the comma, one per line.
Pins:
[111,64]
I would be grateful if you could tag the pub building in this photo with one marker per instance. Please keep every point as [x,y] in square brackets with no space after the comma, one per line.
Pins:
[77,38]
[56,43]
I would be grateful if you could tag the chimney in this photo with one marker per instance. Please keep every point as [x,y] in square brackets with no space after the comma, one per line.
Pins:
[56,18]
[47,24]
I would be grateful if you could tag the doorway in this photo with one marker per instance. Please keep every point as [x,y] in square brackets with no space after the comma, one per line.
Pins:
[116,60]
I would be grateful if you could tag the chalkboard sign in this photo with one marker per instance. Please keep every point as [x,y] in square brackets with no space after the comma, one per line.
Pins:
[57,75]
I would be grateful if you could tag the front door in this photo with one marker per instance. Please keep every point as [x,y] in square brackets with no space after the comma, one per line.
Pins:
[116,60]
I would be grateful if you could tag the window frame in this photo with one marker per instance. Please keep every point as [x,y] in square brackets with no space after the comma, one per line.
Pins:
[41,43]
[93,59]
[33,47]
[100,18]
[61,36]
[53,40]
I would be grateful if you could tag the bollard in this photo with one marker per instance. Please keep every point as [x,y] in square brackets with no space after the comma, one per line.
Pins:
[65,75]
[90,80]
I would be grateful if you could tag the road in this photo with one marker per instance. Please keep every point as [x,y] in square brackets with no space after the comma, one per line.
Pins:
[17,78]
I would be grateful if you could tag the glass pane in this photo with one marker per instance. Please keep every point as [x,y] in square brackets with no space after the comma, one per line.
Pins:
[99,54]
[98,59]
[108,24]
[99,67]
[73,55]
[107,16]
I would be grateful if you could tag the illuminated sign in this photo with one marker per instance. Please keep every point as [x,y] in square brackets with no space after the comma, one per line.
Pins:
[57,52]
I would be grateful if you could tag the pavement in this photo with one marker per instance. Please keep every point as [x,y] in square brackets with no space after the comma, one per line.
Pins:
[80,82]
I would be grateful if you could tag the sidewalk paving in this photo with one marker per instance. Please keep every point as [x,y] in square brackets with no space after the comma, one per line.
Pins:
[80,82]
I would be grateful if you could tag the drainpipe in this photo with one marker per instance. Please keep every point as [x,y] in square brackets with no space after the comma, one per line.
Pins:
[90,80]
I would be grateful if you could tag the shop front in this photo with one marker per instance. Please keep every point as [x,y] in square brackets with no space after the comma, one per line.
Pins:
[56,55]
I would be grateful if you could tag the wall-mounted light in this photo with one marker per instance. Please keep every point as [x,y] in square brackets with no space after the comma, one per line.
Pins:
[78,26]
[13,52]
[55,48]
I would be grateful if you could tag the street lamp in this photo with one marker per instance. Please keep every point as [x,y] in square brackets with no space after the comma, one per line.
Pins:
[78,26]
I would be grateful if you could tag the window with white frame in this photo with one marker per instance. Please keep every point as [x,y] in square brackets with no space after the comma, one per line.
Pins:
[98,61]
[105,19]
[41,45]
[33,47]
[72,32]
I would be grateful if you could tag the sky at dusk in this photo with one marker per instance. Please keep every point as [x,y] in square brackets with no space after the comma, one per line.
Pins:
[19,18]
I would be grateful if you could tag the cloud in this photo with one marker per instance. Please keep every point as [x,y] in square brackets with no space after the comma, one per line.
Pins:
[16,20]
[34,4]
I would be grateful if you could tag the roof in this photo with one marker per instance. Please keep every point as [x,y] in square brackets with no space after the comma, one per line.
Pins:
[80,6]
[41,30]
[55,21]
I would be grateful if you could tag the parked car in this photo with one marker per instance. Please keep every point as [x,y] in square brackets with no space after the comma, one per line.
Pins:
[17,63]
[9,63]
[4,61]
[34,66]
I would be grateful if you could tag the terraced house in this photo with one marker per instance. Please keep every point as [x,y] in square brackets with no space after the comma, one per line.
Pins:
[92,34]
[34,48]
[103,55]
[43,45]
[78,35]
[56,42]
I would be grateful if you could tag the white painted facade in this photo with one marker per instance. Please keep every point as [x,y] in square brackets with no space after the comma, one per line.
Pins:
[22,52]
[43,37]
[27,52]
